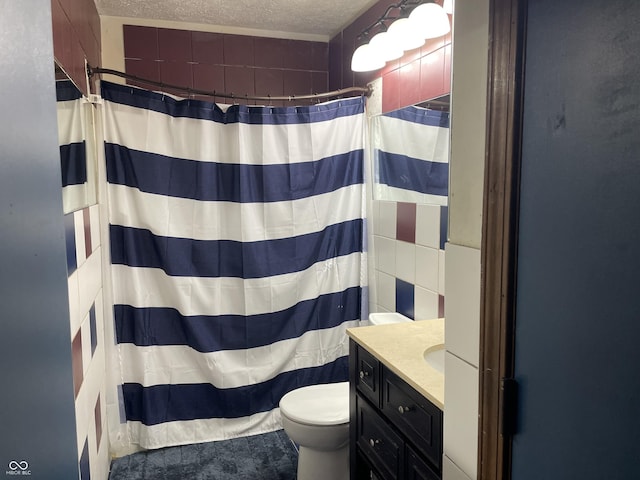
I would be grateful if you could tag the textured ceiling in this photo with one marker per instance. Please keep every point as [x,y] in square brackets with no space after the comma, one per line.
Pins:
[311,17]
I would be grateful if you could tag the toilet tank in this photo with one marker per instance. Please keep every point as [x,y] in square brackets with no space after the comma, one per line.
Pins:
[383,318]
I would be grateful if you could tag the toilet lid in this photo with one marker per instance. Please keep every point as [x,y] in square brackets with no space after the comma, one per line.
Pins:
[325,404]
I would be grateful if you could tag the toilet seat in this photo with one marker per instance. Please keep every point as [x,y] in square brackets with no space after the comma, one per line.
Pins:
[324,404]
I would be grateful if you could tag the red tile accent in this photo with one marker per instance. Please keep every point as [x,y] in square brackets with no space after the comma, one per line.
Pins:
[409,84]
[94,24]
[149,69]
[297,82]
[88,247]
[389,67]
[320,56]
[238,50]
[269,52]
[76,361]
[174,45]
[240,81]
[411,56]
[77,63]
[432,44]
[335,62]
[448,37]
[432,76]
[79,16]
[238,64]
[71,9]
[447,68]
[98,420]
[298,55]
[269,81]
[406,222]
[319,82]
[59,21]
[209,78]
[76,35]
[140,42]
[391,91]
[207,47]
[66,51]
[176,73]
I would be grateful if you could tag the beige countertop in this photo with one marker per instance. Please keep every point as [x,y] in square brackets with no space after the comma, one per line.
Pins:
[401,346]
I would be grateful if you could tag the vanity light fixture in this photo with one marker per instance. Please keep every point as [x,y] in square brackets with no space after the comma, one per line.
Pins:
[426,20]
[433,20]
[406,34]
[364,59]
[385,46]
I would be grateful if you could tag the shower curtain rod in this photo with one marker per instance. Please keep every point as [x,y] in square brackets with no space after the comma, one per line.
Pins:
[366,91]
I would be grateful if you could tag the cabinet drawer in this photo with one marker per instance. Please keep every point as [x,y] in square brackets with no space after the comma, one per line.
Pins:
[368,376]
[414,416]
[380,444]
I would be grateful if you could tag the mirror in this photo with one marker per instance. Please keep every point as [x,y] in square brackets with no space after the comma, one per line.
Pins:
[76,137]
[411,153]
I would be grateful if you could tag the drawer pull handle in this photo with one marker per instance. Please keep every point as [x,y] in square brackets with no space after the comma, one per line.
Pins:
[403,410]
[373,442]
[363,374]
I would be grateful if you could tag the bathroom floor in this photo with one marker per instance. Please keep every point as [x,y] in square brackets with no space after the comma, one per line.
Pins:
[270,456]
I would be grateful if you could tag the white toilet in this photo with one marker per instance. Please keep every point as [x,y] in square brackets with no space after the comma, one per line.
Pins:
[316,418]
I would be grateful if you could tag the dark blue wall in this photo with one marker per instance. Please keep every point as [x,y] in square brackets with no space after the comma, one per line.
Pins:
[578,288]
[37,419]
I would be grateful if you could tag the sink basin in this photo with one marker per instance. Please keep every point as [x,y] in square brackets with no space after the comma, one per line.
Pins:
[383,318]
[434,357]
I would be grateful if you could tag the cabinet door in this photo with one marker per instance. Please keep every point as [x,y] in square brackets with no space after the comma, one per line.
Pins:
[383,448]
[368,376]
[415,416]
[418,469]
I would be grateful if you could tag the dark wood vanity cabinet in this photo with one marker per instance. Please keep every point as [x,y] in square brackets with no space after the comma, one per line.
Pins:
[395,432]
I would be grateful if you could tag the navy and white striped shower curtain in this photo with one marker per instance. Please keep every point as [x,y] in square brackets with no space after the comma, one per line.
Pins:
[411,155]
[71,138]
[237,252]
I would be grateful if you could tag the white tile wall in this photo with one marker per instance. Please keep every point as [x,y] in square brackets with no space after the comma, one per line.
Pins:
[75,316]
[441,272]
[461,414]
[85,290]
[81,254]
[89,281]
[387,220]
[427,268]
[462,278]
[92,386]
[406,261]
[386,291]
[426,304]
[468,131]
[385,249]
[421,264]
[462,328]
[428,225]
